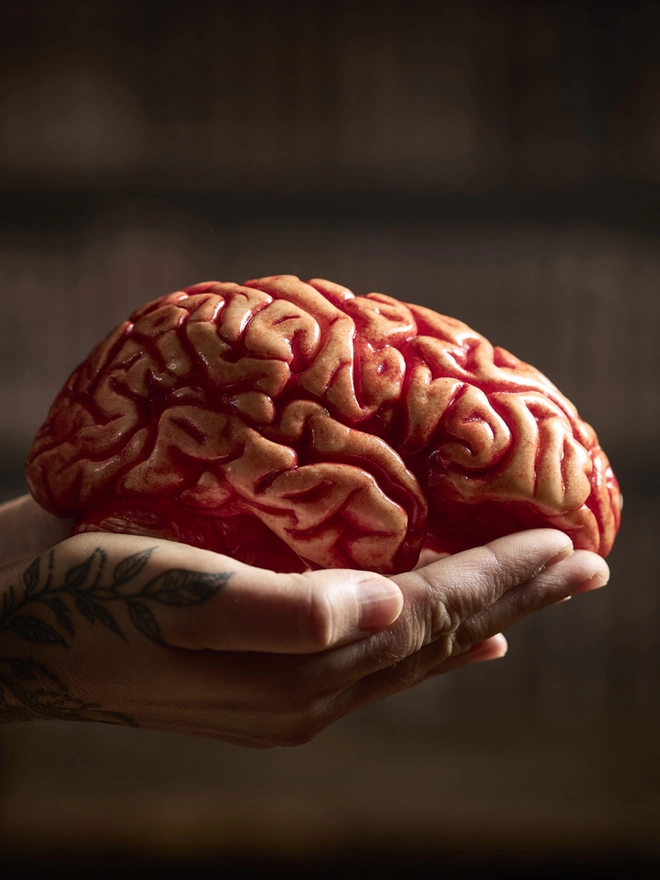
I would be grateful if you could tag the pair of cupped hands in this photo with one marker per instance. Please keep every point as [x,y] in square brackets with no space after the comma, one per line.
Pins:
[154,634]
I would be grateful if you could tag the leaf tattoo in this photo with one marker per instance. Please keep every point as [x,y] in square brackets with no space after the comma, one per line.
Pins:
[83,584]
[130,567]
[144,619]
[76,576]
[31,576]
[22,670]
[103,616]
[84,606]
[62,612]
[34,630]
[182,587]
[27,688]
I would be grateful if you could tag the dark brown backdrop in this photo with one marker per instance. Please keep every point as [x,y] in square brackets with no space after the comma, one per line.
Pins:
[497,161]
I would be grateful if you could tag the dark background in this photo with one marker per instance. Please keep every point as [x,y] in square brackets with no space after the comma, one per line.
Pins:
[497,161]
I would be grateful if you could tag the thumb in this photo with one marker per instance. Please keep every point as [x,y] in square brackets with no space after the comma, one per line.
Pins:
[259,610]
[180,596]
[201,600]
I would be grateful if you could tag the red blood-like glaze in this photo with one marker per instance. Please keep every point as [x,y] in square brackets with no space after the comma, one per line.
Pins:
[295,425]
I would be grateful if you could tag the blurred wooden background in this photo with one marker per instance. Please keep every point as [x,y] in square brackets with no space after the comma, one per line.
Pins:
[497,161]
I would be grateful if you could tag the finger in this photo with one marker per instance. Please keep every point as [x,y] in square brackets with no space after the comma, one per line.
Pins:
[553,583]
[476,634]
[493,648]
[203,600]
[580,572]
[442,596]
[431,661]
[304,613]
[299,684]
[427,556]
[467,582]
[291,613]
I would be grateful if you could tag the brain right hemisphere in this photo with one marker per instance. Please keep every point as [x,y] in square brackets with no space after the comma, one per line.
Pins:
[295,425]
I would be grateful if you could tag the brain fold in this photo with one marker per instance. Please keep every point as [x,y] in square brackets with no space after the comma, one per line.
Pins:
[296,425]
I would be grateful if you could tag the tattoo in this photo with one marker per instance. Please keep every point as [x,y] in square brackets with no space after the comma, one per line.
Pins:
[28,690]
[43,611]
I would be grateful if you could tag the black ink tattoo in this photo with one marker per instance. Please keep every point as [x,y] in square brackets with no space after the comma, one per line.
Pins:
[28,690]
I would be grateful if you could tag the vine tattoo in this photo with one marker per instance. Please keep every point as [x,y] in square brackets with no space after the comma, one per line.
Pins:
[46,610]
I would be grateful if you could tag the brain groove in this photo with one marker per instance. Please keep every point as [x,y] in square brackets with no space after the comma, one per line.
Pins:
[296,425]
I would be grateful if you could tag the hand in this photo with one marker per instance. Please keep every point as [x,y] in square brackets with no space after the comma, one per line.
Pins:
[160,635]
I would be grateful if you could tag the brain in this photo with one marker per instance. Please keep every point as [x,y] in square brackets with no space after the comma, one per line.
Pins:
[295,425]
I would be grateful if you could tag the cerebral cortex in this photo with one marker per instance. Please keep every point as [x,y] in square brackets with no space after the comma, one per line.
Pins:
[295,425]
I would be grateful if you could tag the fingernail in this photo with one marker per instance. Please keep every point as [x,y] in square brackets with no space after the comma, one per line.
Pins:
[482,652]
[564,553]
[380,603]
[594,583]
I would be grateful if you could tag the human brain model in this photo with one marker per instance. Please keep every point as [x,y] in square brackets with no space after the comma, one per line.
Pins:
[295,425]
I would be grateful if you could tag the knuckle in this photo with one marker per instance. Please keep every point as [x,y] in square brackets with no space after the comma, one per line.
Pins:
[394,651]
[530,601]
[447,647]
[318,620]
[524,601]
[502,570]
[420,666]
[443,620]
[469,635]
[441,612]
[433,622]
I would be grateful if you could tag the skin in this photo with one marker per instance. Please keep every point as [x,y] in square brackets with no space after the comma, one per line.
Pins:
[154,634]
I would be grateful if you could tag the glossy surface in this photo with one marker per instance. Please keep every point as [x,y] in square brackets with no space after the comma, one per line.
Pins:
[295,425]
